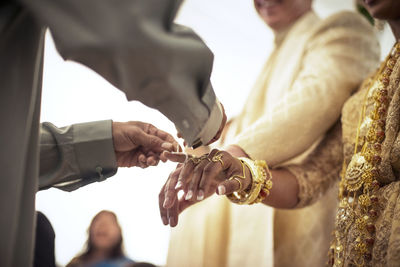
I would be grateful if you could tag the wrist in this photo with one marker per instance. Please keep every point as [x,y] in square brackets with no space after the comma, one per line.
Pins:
[237,151]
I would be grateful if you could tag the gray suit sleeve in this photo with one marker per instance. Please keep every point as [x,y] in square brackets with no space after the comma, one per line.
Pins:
[136,46]
[74,156]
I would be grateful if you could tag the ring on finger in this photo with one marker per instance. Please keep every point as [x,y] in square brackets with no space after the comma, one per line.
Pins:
[218,158]
[205,156]
[238,180]
[195,160]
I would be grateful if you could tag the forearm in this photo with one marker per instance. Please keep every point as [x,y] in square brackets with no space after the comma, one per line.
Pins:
[285,190]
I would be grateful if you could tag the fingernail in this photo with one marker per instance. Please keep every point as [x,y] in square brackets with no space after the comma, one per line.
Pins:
[189,195]
[166,202]
[200,195]
[171,221]
[221,190]
[164,220]
[167,146]
[178,185]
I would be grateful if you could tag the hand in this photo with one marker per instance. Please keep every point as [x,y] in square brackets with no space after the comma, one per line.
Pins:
[141,144]
[200,180]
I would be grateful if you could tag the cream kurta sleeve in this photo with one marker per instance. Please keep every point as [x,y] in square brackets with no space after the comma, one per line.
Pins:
[321,169]
[334,65]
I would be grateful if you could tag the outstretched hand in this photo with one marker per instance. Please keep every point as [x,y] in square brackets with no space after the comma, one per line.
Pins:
[140,144]
[199,178]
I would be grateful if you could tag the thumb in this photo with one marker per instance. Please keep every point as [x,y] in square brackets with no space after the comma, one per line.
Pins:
[229,186]
[154,143]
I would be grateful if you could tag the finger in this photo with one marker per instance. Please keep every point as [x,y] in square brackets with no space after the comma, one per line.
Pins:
[152,130]
[169,190]
[142,161]
[151,142]
[152,161]
[194,183]
[175,156]
[127,159]
[173,213]
[185,175]
[163,211]
[209,180]
[142,158]
[228,187]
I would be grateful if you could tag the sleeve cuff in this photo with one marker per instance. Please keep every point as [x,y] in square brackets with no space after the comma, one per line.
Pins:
[94,153]
[211,126]
[94,149]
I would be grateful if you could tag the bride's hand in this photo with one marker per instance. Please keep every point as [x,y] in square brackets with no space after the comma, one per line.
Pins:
[199,178]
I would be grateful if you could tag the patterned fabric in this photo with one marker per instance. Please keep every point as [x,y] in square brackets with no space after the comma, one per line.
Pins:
[313,69]
[322,168]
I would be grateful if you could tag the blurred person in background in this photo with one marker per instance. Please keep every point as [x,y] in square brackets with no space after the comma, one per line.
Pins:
[44,242]
[315,66]
[142,264]
[104,247]
[136,47]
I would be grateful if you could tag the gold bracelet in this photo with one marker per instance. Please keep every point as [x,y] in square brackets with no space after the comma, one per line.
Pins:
[267,185]
[261,183]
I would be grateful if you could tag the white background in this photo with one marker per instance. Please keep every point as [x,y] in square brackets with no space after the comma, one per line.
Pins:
[72,93]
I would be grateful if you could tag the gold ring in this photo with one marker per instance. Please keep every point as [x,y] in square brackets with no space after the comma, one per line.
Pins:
[194,160]
[218,158]
[205,156]
[240,182]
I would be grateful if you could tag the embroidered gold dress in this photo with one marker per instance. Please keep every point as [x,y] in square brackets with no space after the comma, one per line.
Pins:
[367,228]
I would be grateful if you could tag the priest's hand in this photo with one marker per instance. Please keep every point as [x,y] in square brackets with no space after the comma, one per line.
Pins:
[140,144]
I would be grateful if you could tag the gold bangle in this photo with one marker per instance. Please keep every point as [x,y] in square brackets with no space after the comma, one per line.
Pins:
[261,183]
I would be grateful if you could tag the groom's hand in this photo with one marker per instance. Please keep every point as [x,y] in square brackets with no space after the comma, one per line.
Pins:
[139,144]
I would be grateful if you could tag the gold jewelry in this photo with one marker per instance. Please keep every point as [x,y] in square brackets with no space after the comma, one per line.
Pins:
[218,158]
[359,178]
[193,159]
[261,183]
[238,177]
[238,180]
[203,157]
[197,160]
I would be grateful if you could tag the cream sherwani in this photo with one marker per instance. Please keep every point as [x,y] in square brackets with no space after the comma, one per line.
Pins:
[314,67]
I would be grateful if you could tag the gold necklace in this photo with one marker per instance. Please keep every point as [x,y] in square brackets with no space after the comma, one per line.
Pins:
[358,206]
